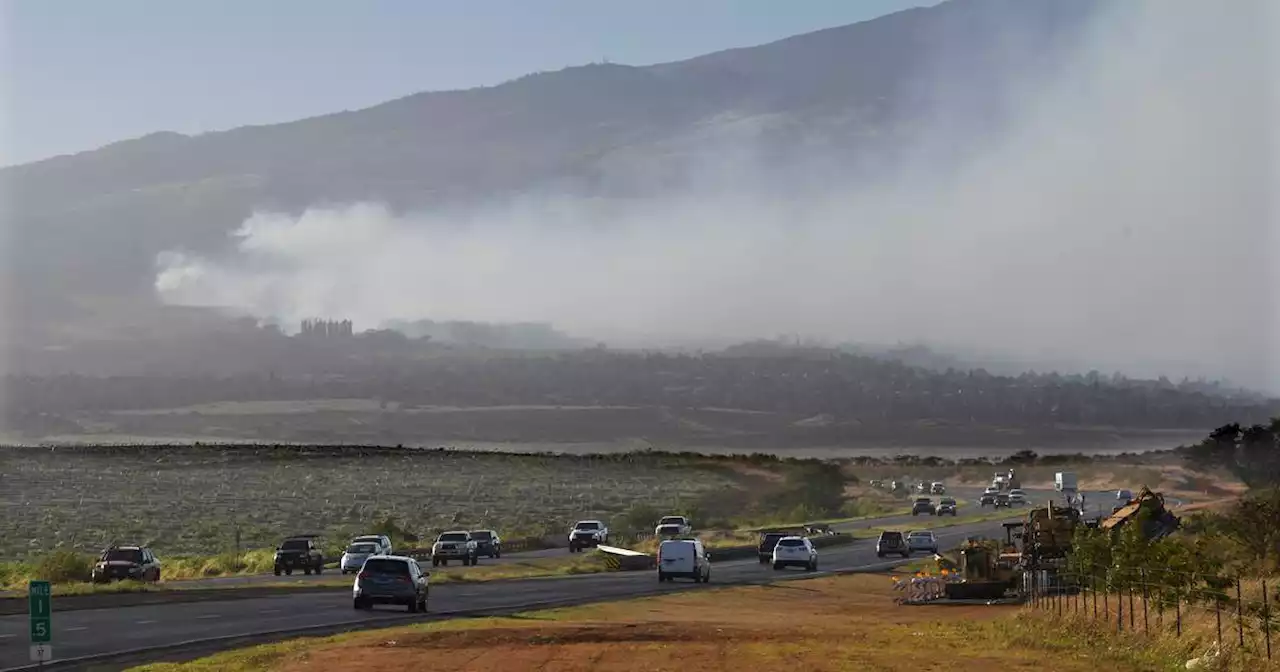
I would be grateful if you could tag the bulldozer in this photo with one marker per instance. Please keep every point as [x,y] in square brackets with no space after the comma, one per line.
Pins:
[984,568]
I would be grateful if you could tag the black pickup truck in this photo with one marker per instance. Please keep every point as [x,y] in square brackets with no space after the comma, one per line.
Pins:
[300,552]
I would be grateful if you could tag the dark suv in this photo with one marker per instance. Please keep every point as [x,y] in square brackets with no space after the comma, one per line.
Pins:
[300,552]
[768,541]
[892,542]
[126,562]
[488,543]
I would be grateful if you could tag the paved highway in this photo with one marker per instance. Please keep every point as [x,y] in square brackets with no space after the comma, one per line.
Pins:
[108,631]
[1098,502]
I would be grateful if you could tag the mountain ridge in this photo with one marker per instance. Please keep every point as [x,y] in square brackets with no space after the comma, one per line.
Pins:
[94,222]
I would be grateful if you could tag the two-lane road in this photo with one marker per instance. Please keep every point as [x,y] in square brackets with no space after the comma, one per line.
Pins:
[109,631]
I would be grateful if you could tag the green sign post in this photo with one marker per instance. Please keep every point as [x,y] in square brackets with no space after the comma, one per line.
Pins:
[40,607]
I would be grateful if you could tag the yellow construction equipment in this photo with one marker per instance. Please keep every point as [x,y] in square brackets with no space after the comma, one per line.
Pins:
[1148,507]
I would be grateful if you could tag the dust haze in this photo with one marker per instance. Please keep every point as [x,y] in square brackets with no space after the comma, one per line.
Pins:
[1126,221]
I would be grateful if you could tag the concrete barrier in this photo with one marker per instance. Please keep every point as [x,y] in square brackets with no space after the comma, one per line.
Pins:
[625,559]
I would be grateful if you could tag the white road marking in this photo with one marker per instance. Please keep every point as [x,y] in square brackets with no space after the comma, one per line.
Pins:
[143,622]
[7,636]
[210,616]
[270,611]
[76,629]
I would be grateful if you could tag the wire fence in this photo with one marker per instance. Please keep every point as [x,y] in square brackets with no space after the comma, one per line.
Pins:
[1236,612]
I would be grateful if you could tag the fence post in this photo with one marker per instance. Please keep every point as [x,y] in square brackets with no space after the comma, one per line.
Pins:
[1239,612]
[1266,618]
[1177,605]
[1120,609]
[1057,595]
[1093,588]
[1106,598]
[1217,612]
[1146,624]
[1131,627]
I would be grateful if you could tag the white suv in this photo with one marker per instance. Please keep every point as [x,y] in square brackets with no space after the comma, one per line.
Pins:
[454,545]
[795,551]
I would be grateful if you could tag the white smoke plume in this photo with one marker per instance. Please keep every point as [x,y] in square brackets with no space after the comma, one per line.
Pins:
[1126,220]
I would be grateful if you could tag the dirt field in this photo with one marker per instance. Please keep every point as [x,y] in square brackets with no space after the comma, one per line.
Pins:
[846,623]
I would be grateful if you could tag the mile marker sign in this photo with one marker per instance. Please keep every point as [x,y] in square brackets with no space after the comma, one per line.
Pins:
[39,598]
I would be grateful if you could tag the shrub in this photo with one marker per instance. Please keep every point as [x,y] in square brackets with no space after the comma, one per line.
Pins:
[64,566]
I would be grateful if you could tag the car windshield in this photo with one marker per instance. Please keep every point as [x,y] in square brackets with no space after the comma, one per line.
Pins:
[294,545]
[671,520]
[919,535]
[362,548]
[123,555]
[668,529]
[922,500]
[453,536]
[950,502]
[482,535]
[588,526]
[386,566]
[791,542]
[369,539]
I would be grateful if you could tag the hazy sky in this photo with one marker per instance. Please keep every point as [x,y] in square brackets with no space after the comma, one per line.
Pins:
[79,74]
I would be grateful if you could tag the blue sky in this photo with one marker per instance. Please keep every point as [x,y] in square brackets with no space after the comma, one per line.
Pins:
[78,74]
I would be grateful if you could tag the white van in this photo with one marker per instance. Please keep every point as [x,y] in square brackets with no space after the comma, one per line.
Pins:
[685,558]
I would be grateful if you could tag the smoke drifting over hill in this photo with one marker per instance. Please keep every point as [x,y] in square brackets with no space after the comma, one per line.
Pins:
[1125,219]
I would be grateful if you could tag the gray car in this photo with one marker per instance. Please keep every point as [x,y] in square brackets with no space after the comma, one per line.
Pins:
[391,579]
[355,555]
[922,540]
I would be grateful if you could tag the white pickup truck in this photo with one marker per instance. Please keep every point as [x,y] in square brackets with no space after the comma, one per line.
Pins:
[673,525]
[587,534]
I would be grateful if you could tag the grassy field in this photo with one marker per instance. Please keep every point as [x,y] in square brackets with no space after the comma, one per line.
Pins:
[202,500]
[844,623]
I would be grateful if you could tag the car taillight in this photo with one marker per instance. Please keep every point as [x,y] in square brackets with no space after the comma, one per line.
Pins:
[362,575]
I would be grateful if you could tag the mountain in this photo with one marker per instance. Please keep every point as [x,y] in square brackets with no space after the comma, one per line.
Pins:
[87,227]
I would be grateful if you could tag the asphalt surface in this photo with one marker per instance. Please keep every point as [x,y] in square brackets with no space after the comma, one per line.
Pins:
[104,631]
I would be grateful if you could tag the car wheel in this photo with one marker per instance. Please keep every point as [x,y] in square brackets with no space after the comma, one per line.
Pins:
[422,605]
[707,578]
[306,570]
[661,577]
[319,568]
[277,571]
[777,566]
[497,553]
[879,555]
[906,554]
[412,606]
[288,571]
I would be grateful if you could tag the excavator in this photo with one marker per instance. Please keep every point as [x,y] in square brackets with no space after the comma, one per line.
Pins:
[1148,508]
